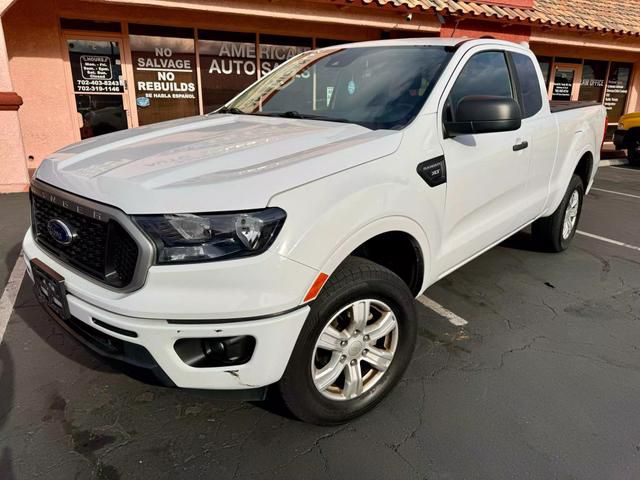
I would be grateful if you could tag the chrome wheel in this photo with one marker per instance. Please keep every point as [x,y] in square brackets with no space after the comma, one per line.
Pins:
[354,350]
[571,215]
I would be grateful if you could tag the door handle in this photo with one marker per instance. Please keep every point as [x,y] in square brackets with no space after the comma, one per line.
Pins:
[520,146]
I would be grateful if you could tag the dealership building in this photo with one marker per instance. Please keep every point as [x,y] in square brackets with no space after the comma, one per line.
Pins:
[73,69]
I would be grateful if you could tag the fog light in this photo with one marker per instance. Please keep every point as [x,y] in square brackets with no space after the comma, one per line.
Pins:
[215,352]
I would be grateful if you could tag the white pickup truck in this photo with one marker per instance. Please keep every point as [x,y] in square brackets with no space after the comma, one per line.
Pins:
[283,238]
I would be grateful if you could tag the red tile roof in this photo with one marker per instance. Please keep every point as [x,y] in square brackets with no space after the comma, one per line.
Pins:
[614,16]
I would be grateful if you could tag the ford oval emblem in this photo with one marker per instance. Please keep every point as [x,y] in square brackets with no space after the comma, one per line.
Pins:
[60,231]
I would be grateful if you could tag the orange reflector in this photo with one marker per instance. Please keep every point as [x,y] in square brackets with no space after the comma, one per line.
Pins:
[316,287]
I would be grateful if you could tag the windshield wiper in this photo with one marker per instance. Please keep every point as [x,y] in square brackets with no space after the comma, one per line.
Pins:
[232,110]
[290,114]
[304,116]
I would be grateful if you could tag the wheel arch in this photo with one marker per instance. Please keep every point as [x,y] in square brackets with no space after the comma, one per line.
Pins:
[584,165]
[400,235]
[584,168]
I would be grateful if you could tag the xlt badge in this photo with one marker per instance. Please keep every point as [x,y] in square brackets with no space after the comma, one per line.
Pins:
[433,171]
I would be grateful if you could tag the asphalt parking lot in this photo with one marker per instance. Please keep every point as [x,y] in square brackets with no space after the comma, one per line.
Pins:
[543,382]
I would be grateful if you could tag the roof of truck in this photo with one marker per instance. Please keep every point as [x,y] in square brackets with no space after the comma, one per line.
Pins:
[429,41]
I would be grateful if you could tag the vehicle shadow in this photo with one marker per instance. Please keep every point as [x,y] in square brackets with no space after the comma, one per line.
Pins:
[60,340]
[274,404]
[50,332]
[523,240]
[10,258]
[39,321]
[7,384]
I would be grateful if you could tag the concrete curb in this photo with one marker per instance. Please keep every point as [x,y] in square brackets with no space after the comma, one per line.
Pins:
[613,161]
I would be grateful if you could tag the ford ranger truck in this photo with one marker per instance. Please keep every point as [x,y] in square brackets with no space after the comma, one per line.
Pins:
[281,240]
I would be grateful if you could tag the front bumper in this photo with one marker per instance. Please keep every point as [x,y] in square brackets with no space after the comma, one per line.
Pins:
[619,139]
[152,345]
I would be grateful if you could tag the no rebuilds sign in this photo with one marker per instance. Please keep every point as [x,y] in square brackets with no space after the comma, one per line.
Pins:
[165,75]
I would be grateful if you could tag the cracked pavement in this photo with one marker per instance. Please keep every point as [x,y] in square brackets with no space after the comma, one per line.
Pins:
[542,383]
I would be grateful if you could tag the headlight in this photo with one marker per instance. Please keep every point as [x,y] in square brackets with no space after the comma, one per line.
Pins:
[621,125]
[183,238]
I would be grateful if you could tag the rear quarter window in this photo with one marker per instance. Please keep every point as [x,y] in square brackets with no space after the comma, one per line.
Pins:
[529,85]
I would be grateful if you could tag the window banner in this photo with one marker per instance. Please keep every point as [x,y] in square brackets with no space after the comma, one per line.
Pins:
[228,67]
[165,78]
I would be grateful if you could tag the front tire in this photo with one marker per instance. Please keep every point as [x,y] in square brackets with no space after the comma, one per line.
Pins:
[354,347]
[555,233]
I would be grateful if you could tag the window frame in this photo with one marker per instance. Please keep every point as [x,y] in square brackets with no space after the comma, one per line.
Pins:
[446,104]
[518,82]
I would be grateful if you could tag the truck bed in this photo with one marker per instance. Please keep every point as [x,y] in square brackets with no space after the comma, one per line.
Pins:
[562,105]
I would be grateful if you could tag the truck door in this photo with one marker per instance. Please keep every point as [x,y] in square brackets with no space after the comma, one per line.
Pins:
[539,128]
[486,173]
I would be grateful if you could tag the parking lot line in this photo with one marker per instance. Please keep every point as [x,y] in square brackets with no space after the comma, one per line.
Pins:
[608,240]
[616,193]
[10,292]
[440,310]
[625,168]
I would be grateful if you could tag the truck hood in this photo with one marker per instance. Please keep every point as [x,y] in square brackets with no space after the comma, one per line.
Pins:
[210,163]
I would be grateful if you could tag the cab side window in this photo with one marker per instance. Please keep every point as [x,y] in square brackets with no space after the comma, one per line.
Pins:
[486,73]
[529,85]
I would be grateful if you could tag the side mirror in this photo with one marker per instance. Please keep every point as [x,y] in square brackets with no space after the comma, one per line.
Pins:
[484,114]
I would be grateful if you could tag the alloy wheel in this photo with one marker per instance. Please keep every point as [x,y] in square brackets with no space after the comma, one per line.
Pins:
[571,215]
[354,350]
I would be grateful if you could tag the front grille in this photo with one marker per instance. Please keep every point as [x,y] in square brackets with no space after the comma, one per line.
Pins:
[101,249]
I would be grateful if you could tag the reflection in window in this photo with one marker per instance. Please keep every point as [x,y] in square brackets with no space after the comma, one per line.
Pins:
[227,65]
[376,87]
[100,114]
[486,73]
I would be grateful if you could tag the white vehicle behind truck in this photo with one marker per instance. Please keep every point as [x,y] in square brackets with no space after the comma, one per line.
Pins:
[282,239]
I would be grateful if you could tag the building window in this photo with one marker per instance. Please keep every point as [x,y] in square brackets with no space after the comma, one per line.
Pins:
[594,73]
[600,81]
[98,86]
[563,83]
[545,66]
[617,90]
[90,25]
[165,74]
[276,49]
[329,42]
[615,97]
[227,65]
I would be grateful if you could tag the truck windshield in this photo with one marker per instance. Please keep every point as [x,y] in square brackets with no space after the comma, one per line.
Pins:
[376,87]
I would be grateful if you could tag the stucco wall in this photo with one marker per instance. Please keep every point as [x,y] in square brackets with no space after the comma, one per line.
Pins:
[37,72]
[13,172]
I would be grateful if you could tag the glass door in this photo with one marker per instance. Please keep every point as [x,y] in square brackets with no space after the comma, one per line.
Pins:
[99,85]
[565,84]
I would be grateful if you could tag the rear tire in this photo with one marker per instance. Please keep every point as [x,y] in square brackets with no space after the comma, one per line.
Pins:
[365,315]
[632,141]
[633,155]
[555,233]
